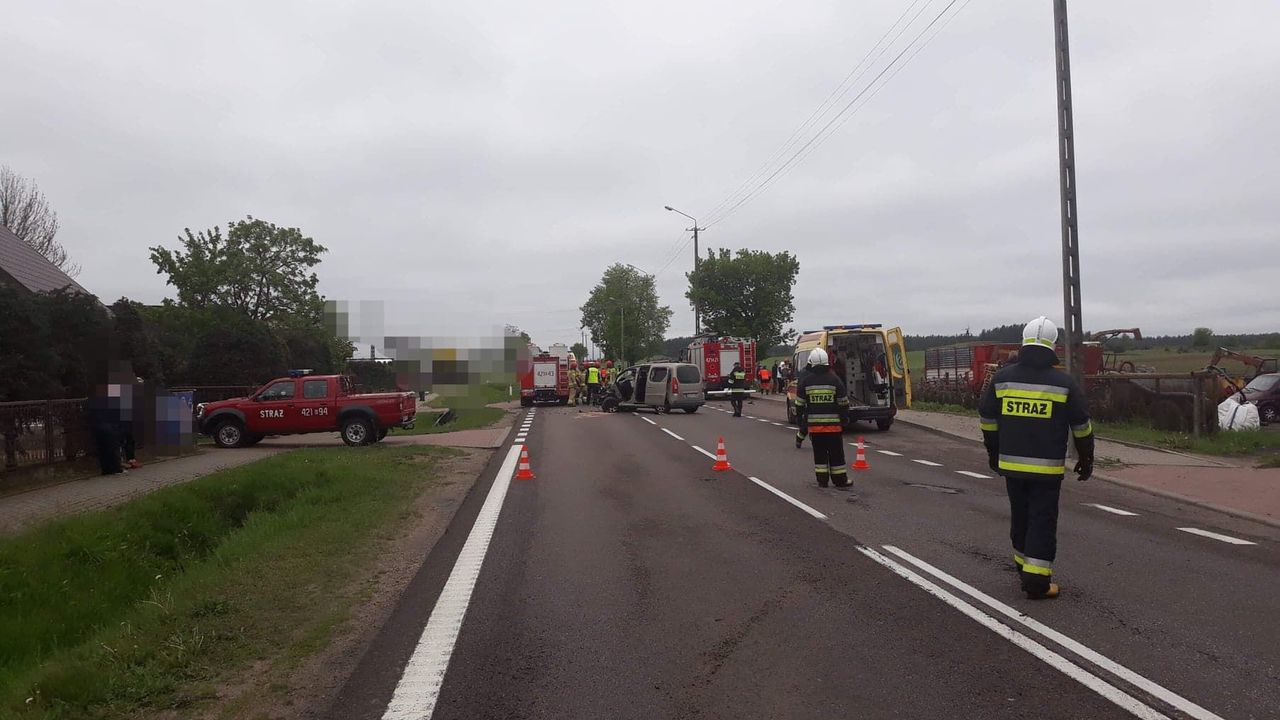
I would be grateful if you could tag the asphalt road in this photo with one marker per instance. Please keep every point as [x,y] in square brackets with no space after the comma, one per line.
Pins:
[628,580]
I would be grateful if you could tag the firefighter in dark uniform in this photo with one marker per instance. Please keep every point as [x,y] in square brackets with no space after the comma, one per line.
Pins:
[737,388]
[1026,413]
[822,410]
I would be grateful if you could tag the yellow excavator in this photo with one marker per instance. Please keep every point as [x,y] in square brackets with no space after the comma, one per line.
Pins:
[1232,384]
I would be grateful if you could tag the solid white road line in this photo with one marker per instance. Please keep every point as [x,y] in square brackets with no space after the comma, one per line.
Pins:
[928,462]
[890,453]
[419,686]
[646,420]
[1216,536]
[788,498]
[1108,508]
[761,420]
[672,434]
[968,473]
[1084,652]
[1058,662]
[704,452]
[778,424]
[750,417]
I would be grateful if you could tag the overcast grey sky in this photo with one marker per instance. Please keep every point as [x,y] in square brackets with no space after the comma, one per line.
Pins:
[482,162]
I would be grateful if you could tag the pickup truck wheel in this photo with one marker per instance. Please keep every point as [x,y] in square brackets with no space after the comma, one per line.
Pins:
[357,431]
[382,434]
[230,433]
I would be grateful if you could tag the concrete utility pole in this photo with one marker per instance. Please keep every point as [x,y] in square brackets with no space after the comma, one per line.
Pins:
[1073,325]
[697,320]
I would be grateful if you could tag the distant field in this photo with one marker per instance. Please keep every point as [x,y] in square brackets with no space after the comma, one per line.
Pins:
[1165,360]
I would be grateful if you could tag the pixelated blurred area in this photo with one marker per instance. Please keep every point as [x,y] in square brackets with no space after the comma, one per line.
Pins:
[464,371]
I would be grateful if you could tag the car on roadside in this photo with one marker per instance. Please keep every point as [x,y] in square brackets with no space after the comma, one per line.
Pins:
[658,386]
[306,403]
[1264,392]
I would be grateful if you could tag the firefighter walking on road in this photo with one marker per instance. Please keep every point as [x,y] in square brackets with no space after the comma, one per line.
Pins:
[737,388]
[822,409]
[1026,413]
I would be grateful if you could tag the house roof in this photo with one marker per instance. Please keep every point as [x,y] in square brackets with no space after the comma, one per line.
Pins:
[20,262]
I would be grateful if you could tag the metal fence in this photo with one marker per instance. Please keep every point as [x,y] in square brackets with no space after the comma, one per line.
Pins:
[43,431]
[1181,402]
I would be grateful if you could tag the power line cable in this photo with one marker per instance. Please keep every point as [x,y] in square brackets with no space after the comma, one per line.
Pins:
[827,129]
[839,91]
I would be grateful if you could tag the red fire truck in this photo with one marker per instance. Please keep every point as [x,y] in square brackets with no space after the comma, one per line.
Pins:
[967,367]
[715,357]
[545,380]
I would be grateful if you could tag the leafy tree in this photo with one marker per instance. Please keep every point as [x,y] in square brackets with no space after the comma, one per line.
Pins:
[623,308]
[137,340]
[672,347]
[26,357]
[259,269]
[579,350]
[748,294]
[27,214]
[81,338]
[1202,337]
[238,350]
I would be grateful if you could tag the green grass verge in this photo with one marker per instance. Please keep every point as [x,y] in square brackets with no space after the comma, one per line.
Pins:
[468,403]
[1254,442]
[147,606]
[465,419]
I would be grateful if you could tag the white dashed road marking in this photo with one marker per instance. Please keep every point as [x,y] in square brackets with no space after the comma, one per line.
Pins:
[646,420]
[704,452]
[890,453]
[788,498]
[1216,536]
[968,473]
[672,434]
[1114,511]
[930,463]
[419,686]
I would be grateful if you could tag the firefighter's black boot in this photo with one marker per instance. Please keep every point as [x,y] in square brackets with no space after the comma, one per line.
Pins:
[1038,587]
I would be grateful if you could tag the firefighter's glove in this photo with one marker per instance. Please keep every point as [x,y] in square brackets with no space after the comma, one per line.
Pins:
[1084,469]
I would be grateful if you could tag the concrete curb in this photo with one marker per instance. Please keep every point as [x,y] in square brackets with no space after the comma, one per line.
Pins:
[1167,495]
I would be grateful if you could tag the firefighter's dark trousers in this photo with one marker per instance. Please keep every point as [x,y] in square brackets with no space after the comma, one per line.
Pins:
[828,458]
[1033,528]
[735,400]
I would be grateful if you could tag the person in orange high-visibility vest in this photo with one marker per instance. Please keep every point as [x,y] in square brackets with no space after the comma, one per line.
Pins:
[766,381]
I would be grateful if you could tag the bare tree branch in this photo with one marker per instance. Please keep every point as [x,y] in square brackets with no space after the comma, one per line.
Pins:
[26,212]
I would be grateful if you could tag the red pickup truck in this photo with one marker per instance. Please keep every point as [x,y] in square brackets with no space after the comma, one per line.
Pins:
[306,404]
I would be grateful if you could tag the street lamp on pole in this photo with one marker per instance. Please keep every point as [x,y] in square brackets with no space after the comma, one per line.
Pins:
[697,320]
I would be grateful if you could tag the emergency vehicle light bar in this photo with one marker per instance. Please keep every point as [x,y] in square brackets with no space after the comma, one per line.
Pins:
[859,326]
[300,373]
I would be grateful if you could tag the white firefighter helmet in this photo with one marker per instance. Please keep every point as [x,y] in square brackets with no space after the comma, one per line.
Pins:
[817,356]
[1040,331]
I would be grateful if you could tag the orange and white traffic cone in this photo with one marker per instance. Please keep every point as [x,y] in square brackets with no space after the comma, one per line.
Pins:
[524,472]
[722,458]
[860,461]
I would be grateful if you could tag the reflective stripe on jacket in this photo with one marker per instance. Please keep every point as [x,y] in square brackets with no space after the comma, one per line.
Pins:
[822,402]
[1026,414]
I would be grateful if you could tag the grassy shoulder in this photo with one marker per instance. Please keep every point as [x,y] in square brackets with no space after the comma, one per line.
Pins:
[150,605]
[470,408]
[1264,443]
